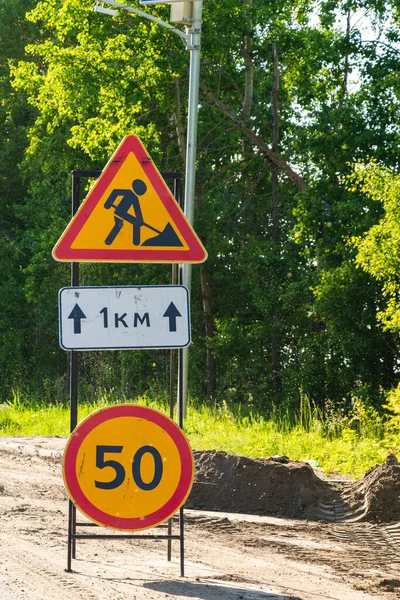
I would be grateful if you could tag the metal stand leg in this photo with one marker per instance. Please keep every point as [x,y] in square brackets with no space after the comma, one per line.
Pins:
[70,539]
[182,544]
[180,423]
[73,530]
[73,385]
[169,551]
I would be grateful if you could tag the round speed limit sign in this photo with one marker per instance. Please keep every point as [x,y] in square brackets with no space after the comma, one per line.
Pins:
[128,467]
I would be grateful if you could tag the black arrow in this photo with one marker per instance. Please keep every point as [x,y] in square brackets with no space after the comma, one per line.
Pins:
[77,315]
[172,312]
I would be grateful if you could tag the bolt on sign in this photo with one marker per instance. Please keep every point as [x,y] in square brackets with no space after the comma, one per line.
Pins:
[130,215]
[128,467]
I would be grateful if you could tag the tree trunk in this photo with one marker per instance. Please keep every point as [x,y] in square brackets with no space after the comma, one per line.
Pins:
[346,67]
[178,121]
[211,384]
[247,52]
[274,147]
[276,360]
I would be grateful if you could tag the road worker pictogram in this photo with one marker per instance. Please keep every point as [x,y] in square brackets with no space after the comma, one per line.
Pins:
[129,215]
[130,199]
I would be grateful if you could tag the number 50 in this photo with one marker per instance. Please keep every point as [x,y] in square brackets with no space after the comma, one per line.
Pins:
[136,463]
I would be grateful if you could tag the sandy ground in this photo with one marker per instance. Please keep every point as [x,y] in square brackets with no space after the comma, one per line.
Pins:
[227,556]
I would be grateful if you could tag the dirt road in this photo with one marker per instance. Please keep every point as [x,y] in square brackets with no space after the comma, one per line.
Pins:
[228,556]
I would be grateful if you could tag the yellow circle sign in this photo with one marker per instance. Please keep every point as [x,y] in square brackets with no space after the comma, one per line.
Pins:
[128,467]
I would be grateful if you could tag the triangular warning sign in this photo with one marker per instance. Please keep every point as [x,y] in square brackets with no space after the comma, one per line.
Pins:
[130,215]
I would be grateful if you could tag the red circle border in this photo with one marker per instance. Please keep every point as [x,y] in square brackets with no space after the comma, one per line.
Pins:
[127,410]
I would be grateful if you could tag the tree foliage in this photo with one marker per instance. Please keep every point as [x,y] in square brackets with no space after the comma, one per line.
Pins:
[290,100]
[379,248]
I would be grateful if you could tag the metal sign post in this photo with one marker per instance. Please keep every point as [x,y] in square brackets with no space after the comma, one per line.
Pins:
[191,150]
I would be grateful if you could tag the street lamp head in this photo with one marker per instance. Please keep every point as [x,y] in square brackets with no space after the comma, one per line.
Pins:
[99,7]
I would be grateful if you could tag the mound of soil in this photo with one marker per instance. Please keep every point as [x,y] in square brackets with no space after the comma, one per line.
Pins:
[278,487]
[376,497]
[268,487]
[230,483]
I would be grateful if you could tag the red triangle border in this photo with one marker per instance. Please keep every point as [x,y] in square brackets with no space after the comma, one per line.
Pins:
[196,252]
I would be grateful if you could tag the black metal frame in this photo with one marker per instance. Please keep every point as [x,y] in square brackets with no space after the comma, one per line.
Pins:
[177,176]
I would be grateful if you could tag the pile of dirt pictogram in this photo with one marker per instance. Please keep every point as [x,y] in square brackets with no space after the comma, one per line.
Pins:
[279,487]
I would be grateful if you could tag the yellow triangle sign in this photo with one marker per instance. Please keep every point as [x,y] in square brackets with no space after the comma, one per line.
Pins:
[130,215]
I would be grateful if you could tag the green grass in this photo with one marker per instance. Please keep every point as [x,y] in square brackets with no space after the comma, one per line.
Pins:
[339,444]
[337,450]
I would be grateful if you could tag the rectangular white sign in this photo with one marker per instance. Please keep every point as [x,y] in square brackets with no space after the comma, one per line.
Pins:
[125,317]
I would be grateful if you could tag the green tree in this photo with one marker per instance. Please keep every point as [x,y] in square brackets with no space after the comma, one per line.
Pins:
[379,248]
[16,331]
[279,306]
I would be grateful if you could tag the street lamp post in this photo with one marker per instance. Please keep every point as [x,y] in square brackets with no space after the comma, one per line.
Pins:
[192,41]
[191,148]
[99,7]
